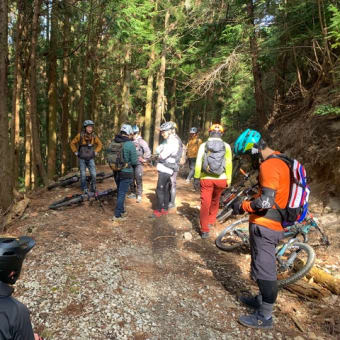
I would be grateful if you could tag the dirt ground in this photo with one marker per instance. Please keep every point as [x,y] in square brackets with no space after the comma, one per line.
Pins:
[88,278]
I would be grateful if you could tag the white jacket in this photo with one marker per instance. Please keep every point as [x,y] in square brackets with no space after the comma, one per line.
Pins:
[167,151]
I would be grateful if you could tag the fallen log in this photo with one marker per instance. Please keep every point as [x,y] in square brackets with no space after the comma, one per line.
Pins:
[16,211]
[321,277]
[310,291]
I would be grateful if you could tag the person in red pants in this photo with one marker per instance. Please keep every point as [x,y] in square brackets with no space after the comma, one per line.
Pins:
[213,174]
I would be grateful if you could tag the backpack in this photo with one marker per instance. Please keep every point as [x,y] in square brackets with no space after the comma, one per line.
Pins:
[297,206]
[114,156]
[214,157]
[86,151]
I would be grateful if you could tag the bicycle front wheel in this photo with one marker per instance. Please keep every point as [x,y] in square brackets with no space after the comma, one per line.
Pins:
[234,236]
[288,271]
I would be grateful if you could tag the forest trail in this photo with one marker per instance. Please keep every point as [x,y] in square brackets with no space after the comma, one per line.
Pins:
[88,278]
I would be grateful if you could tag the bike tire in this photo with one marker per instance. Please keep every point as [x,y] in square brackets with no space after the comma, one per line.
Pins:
[54,185]
[305,269]
[65,203]
[229,240]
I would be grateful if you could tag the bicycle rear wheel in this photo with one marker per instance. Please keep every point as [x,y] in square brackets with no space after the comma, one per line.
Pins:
[67,202]
[234,236]
[286,263]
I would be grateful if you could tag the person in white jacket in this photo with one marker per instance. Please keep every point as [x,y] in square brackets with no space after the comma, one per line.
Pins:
[167,164]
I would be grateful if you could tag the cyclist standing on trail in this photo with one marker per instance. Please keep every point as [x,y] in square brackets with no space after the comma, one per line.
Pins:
[178,156]
[143,153]
[124,177]
[192,150]
[15,320]
[265,228]
[166,166]
[89,145]
[212,174]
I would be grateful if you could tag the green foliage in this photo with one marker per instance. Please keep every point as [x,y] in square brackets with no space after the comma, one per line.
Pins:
[334,27]
[325,109]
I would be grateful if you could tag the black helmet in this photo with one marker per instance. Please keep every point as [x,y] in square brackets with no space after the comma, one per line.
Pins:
[12,255]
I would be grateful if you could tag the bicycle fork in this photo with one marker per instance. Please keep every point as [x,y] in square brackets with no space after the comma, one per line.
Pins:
[281,251]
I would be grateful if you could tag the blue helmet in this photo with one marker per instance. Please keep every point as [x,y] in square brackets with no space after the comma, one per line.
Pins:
[135,129]
[88,122]
[127,129]
[245,142]
[193,130]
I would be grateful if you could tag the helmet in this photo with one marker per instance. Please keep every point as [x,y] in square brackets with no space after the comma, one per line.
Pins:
[216,128]
[12,255]
[127,129]
[135,129]
[167,126]
[245,142]
[193,130]
[88,123]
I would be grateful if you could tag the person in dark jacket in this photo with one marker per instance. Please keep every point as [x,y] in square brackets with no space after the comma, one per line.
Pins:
[15,322]
[124,177]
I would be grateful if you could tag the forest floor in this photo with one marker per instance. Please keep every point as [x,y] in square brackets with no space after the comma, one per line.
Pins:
[88,278]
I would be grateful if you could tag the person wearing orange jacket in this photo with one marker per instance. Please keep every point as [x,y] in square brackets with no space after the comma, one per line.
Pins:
[192,150]
[265,228]
[89,145]
[213,171]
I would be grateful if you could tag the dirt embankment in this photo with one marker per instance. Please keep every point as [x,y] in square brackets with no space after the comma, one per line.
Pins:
[151,279]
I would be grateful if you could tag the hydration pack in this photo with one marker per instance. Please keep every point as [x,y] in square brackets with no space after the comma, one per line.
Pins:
[86,151]
[214,157]
[297,207]
[114,156]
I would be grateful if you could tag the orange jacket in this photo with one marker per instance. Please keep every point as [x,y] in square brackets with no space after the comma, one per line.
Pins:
[94,141]
[193,146]
[274,174]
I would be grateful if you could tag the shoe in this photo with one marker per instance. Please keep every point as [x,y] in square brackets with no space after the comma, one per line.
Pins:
[171,205]
[124,214]
[86,191]
[255,320]
[139,199]
[204,234]
[156,214]
[165,212]
[116,219]
[132,195]
[251,301]
[187,181]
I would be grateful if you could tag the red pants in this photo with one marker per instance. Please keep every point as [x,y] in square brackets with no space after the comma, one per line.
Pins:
[211,190]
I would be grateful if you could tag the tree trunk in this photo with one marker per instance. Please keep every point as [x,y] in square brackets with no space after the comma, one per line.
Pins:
[81,106]
[52,95]
[258,90]
[160,104]
[28,140]
[16,94]
[6,194]
[33,95]
[126,104]
[173,101]
[66,91]
[149,95]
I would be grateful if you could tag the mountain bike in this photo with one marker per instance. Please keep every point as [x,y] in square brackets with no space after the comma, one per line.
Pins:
[231,194]
[100,177]
[80,198]
[236,236]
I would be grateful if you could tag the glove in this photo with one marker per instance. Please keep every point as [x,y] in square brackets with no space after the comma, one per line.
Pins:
[197,184]
[237,207]
[76,153]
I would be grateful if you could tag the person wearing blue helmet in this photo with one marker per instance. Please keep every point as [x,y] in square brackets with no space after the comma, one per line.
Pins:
[143,154]
[265,224]
[192,150]
[124,177]
[86,145]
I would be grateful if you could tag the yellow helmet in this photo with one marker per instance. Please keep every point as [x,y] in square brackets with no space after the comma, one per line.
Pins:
[216,128]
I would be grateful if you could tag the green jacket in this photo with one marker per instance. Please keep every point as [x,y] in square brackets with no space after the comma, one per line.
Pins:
[129,152]
[228,164]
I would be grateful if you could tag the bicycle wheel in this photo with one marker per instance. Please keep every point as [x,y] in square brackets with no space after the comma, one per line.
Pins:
[285,263]
[66,202]
[234,236]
